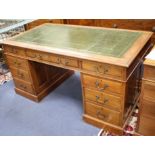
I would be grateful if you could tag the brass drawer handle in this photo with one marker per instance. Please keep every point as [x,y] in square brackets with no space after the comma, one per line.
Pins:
[17,63]
[40,57]
[153,29]
[105,70]
[97,97]
[115,26]
[101,116]
[104,87]
[21,75]
[22,86]
[66,62]
[97,68]
[32,56]
[105,101]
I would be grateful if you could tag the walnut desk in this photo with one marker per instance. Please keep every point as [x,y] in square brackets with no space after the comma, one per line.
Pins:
[109,61]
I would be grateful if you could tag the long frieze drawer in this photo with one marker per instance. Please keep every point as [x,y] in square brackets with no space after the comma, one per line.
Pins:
[149,72]
[103,99]
[147,126]
[102,113]
[148,90]
[24,86]
[14,50]
[102,68]
[17,62]
[20,74]
[148,107]
[37,55]
[101,84]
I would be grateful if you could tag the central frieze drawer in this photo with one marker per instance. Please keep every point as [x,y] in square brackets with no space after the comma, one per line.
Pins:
[17,62]
[101,84]
[102,113]
[103,99]
[65,61]
[102,68]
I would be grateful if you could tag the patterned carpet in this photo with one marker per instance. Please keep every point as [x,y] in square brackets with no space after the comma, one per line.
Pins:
[4,78]
[129,129]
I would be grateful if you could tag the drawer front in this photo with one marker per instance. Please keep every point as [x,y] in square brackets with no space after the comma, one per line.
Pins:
[104,69]
[64,61]
[149,72]
[70,62]
[17,62]
[14,50]
[23,85]
[102,113]
[102,84]
[147,126]
[55,58]
[37,55]
[20,74]
[149,90]
[148,108]
[103,99]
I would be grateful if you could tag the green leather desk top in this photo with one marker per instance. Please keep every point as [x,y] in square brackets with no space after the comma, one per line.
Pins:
[104,42]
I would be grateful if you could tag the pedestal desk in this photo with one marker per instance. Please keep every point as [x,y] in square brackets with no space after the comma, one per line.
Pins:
[109,61]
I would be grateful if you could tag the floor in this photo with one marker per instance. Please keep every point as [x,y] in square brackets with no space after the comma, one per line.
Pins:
[58,114]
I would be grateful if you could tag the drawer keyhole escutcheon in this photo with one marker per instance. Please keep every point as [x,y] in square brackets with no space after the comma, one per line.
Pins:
[101,116]
[58,60]
[104,87]
[97,83]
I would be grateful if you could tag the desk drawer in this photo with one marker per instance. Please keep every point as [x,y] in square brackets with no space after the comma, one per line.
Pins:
[103,99]
[55,58]
[64,61]
[20,74]
[101,84]
[17,62]
[101,68]
[70,62]
[147,126]
[149,72]
[23,85]
[148,108]
[149,90]
[14,50]
[102,113]
[37,55]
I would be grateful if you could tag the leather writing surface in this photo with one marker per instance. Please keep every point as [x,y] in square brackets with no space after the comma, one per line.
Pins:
[105,42]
